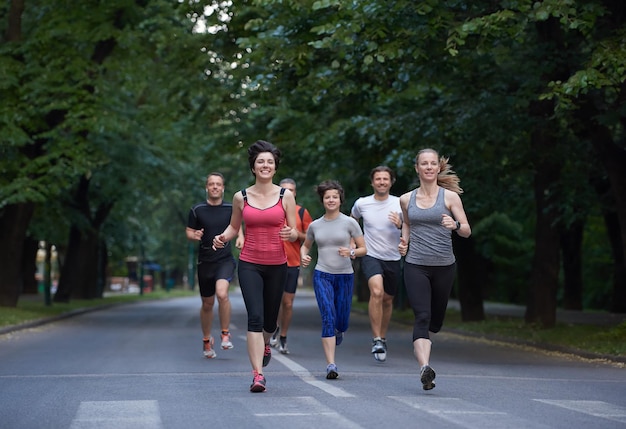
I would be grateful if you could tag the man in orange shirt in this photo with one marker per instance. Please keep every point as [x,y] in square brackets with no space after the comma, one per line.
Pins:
[303,220]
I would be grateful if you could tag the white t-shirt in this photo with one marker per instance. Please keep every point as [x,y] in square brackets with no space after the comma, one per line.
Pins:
[381,235]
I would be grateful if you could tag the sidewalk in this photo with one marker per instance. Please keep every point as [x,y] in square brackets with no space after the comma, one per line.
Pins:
[573,317]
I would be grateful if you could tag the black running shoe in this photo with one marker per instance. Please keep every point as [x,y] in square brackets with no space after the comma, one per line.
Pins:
[331,371]
[427,375]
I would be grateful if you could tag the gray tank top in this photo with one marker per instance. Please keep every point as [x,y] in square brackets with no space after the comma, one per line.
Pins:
[429,242]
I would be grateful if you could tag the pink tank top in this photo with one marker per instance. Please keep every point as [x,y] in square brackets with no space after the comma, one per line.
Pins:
[262,244]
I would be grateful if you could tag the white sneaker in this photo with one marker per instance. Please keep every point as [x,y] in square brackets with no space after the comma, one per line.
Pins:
[226,343]
[381,356]
[377,345]
[207,348]
[274,339]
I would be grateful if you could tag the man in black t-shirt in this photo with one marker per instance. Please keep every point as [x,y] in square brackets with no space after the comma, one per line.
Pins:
[216,267]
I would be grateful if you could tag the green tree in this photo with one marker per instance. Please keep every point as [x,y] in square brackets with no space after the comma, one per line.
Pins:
[573,36]
[101,105]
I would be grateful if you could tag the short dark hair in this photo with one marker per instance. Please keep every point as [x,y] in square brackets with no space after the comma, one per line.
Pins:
[261,146]
[328,185]
[383,168]
[288,180]
[218,174]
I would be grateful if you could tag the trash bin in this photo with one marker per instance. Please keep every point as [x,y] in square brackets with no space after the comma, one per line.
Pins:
[148,283]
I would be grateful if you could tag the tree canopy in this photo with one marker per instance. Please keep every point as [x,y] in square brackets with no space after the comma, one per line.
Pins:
[114,113]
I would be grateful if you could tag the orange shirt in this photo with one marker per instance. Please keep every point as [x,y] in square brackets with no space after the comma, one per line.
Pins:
[293,248]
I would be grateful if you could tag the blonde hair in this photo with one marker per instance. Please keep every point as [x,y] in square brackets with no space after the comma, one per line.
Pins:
[447,177]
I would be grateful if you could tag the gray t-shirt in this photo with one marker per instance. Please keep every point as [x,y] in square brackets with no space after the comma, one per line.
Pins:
[330,235]
[430,243]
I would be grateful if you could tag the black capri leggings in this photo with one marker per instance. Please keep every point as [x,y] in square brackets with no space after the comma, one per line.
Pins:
[262,289]
[428,290]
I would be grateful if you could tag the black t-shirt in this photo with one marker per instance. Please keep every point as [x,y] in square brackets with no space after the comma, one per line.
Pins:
[214,220]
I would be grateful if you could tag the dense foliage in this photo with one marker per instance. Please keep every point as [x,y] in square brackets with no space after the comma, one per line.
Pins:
[111,118]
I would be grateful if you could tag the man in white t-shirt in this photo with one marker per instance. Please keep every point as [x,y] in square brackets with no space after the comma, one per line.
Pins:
[382,223]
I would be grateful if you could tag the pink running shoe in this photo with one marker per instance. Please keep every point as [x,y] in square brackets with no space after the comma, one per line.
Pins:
[258,382]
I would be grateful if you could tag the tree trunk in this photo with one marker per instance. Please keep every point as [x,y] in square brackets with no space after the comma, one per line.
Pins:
[571,248]
[618,301]
[14,220]
[29,266]
[545,269]
[79,273]
[81,270]
[614,159]
[544,277]
[14,29]
[547,163]
[469,279]
[612,155]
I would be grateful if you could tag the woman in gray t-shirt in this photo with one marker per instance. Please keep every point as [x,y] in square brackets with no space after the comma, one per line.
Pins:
[333,278]
[431,213]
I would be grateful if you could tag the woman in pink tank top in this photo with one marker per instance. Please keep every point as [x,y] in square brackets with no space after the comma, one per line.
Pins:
[262,269]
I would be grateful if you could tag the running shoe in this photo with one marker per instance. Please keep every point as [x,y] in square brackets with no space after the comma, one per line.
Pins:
[377,345]
[267,355]
[331,371]
[427,375]
[283,346]
[381,356]
[207,348]
[258,382]
[274,339]
[226,343]
[338,337]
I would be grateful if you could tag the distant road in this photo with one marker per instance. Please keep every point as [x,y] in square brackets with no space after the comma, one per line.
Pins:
[141,366]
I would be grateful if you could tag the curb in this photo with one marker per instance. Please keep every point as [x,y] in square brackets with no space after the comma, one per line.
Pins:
[522,343]
[540,346]
[39,322]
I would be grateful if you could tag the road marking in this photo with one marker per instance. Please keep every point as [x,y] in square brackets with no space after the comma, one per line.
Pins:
[307,377]
[117,415]
[466,414]
[593,408]
[302,411]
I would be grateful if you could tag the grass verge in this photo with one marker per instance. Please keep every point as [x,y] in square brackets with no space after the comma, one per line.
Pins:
[598,340]
[33,308]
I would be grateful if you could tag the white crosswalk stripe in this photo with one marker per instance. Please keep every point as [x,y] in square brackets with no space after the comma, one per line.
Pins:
[593,408]
[303,411]
[466,414]
[117,415]
[307,377]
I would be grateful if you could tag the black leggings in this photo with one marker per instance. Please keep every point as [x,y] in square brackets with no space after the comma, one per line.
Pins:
[262,289]
[428,290]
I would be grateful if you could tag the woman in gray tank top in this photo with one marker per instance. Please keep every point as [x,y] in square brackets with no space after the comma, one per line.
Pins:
[431,213]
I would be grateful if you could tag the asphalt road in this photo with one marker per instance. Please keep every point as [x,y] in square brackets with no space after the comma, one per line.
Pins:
[141,366]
